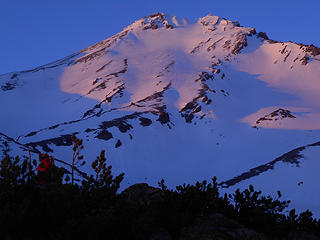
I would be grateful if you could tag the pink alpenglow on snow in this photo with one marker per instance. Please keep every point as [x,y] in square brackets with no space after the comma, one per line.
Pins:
[178,100]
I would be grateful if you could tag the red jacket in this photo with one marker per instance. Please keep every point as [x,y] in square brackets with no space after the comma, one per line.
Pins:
[46,163]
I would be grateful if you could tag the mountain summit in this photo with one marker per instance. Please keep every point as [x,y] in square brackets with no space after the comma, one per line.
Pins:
[181,101]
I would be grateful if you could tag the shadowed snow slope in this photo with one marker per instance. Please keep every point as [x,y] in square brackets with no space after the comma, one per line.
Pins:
[181,101]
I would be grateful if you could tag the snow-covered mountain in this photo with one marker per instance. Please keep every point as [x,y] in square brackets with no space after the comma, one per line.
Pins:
[178,100]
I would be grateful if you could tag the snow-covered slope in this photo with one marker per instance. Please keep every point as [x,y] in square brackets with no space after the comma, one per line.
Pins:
[176,100]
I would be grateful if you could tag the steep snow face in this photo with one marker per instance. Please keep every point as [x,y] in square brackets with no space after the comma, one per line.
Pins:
[293,173]
[288,68]
[176,100]
[150,58]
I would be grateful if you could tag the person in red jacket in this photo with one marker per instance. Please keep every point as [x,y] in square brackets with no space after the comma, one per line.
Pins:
[44,168]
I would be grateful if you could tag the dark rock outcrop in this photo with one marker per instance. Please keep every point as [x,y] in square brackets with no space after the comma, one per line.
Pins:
[142,193]
[313,50]
[263,35]
[276,115]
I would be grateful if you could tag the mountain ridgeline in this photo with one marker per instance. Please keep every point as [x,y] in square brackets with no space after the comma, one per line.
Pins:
[184,101]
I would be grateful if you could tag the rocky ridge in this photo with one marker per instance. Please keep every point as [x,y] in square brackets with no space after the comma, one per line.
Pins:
[164,91]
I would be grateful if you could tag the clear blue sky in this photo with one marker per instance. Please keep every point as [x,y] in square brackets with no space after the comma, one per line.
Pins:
[36,32]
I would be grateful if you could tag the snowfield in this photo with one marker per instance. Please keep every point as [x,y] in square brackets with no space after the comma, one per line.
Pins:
[181,101]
